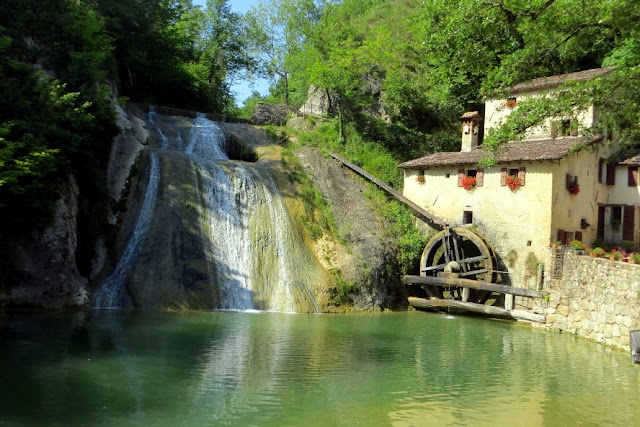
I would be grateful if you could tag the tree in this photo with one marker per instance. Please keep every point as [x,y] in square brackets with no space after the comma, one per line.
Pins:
[276,33]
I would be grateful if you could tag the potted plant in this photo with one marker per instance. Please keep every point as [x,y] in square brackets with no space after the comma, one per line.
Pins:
[596,252]
[614,255]
[469,182]
[634,259]
[556,244]
[420,179]
[513,182]
[574,188]
[577,245]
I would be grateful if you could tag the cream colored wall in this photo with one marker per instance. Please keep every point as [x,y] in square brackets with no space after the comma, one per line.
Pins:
[621,193]
[568,209]
[508,220]
[496,113]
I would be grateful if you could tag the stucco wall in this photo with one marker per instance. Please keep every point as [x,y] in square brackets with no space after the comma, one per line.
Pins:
[517,221]
[496,113]
[596,298]
[621,192]
[569,209]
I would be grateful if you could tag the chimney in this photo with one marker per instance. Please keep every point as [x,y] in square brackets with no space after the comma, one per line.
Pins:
[471,121]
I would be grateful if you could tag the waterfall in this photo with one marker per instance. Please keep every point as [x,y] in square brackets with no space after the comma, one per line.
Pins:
[112,291]
[241,247]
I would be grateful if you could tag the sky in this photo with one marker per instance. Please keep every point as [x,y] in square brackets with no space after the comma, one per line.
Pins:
[243,89]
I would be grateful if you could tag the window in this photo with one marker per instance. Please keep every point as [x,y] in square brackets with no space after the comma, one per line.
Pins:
[512,172]
[601,166]
[511,102]
[467,217]
[478,174]
[632,177]
[564,127]
[611,174]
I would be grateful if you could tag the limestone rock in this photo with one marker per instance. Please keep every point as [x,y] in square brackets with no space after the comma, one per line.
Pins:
[368,261]
[270,114]
[46,260]
[318,103]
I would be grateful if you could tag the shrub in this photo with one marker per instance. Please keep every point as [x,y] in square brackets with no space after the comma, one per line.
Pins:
[577,245]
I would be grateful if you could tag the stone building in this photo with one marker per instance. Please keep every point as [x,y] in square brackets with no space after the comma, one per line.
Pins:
[554,184]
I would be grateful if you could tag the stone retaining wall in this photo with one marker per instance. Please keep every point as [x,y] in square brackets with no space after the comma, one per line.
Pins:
[595,298]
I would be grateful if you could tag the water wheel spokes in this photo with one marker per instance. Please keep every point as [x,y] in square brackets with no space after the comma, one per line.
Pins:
[472,255]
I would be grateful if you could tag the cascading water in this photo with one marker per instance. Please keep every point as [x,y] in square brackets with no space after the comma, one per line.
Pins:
[112,292]
[221,232]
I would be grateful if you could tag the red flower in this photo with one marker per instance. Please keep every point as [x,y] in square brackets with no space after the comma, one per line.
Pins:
[468,182]
[574,188]
[513,182]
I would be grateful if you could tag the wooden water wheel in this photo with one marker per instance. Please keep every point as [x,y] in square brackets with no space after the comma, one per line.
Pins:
[473,260]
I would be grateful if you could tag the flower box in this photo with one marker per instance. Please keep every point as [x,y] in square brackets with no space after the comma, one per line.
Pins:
[469,182]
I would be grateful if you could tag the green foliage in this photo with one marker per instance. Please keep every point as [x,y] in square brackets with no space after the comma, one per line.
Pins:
[340,292]
[318,218]
[409,239]
[54,116]
[531,264]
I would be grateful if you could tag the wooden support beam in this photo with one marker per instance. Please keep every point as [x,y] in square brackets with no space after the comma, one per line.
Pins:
[473,284]
[474,272]
[432,220]
[509,301]
[461,262]
[477,308]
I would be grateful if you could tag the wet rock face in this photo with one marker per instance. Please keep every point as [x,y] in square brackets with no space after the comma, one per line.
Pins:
[369,261]
[49,276]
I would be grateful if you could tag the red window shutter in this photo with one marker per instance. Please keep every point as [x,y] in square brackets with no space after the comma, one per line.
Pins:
[579,235]
[521,174]
[600,166]
[632,177]
[562,236]
[628,217]
[479,177]
[503,176]
[611,174]
[600,232]
[460,177]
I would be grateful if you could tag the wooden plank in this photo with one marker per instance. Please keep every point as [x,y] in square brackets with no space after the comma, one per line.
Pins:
[474,272]
[435,267]
[462,261]
[473,284]
[430,219]
[509,301]
[473,259]
[477,308]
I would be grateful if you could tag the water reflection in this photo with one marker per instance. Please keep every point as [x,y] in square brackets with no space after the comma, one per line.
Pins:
[198,368]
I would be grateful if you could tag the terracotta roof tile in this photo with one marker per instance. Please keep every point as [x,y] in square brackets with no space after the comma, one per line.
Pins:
[632,161]
[553,81]
[515,151]
[470,115]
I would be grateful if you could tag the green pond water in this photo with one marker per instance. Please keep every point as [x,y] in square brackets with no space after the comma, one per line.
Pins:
[109,367]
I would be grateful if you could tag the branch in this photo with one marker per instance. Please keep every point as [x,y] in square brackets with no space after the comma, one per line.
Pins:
[534,15]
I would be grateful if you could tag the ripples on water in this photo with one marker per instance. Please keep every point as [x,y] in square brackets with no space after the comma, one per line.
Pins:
[126,368]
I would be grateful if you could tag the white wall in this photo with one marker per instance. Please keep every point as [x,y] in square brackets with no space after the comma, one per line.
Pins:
[569,209]
[519,221]
[496,113]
